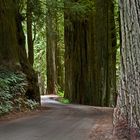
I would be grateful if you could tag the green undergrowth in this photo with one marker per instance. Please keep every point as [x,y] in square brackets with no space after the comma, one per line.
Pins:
[62,99]
[13,86]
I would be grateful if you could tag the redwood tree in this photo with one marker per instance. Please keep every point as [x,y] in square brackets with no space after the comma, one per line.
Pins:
[8,39]
[127,112]
[12,45]
[29,32]
[90,53]
[51,45]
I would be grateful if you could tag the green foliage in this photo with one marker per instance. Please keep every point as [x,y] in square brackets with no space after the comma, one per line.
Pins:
[40,54]
[80,7]
[31,104]
[40,39]
[64,101]
[13,86]
[39,11]
[60,93]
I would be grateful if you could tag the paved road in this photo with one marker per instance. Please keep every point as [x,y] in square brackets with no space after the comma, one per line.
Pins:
[61,122]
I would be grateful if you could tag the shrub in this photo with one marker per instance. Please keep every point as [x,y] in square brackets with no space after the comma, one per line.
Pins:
[13,86]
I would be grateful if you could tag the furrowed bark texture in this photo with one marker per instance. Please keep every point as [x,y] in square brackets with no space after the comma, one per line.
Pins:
[8,39]
[127,112]
[104,65]
[90,55]
[76,63]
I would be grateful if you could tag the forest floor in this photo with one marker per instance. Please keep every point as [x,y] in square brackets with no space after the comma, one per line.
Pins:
[56,121]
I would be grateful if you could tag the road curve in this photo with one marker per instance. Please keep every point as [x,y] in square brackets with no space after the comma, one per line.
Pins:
[61,122]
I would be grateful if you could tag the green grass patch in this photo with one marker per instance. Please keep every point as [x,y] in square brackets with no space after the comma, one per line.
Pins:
[64,101]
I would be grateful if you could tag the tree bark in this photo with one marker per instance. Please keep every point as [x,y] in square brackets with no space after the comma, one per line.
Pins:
[8,39]
[29,33]
[76,63]
[127,112]
[51,38]
[59,67]
[90,55]
[104,49]
[59,51]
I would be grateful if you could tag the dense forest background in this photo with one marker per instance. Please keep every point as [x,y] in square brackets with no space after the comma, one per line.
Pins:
[73,48]
[64,46]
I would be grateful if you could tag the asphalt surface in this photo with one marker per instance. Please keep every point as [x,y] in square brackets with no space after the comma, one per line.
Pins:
[61,122]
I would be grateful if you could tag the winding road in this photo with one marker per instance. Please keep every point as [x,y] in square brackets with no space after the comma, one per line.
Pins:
[60,122]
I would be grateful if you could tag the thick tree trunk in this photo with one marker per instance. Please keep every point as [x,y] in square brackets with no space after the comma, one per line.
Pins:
[127,112]
[90,56]
[8,39]
[104,50]
[76,63]
[29,33]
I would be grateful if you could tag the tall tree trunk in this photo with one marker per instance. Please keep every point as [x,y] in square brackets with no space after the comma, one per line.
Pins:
[51,46]
[59,51]
[60,66]
[76,63]
[90,55]
[29,33]
[104,57]
[127,112]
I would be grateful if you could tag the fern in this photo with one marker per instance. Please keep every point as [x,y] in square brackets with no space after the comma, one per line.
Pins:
[12,86]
